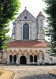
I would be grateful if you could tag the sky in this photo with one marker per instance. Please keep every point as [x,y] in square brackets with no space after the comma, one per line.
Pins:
[33,6]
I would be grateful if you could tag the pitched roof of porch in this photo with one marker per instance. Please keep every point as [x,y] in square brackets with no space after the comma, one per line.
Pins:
[32,43]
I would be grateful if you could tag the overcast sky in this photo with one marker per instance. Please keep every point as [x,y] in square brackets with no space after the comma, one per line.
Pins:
[33,6]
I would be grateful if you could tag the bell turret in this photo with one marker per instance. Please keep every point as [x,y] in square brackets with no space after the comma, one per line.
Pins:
[40,25]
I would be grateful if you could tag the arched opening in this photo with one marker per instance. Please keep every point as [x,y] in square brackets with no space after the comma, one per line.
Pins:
[22,60]
[10,58]
[35,58]
[26,31]
[31,58]
[43,56]
[15,57]
[40,53]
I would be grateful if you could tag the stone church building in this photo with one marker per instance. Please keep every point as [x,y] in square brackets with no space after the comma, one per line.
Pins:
[28,45]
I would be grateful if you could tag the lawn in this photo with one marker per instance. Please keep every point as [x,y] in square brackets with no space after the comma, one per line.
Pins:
[53,72]
[5,74]
[1,73]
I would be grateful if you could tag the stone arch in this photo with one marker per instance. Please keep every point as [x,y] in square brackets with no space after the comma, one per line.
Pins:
[31,52]
[35,52]
[5,51]
[40,54]
[14,52]
[25,53]
[51,59]
[40,51]
[20,52]
[10,52]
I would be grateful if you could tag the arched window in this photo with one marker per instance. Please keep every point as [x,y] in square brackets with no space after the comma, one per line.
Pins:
[31,58]
[35,58]
[26,31]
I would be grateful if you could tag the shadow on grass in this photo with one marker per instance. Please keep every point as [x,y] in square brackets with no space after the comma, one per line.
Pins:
[41,76]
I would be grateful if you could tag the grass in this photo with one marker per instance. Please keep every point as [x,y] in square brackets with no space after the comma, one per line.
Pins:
[53,73]
[1,73]
[5,74]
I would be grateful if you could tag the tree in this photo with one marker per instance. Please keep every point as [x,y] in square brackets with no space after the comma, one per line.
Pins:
[51,20]
[8,9]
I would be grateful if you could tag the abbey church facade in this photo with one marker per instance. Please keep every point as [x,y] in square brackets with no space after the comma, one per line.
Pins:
[27,45]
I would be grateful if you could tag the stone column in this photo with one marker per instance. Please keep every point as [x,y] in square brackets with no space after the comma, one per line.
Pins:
[33,59]
[37,59]
[28,59]
[40,60]
[17,61]
[8,60]
[3,57]
[47,58]
[12,59]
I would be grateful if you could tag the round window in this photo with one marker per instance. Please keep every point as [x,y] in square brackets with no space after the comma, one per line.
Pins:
[25,17]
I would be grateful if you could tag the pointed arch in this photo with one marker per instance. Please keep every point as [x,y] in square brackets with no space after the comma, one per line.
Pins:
[10,52]
[26,31]
[20,52]
[31,52]
[35,52]
[5,51]
[14,52]
[25,52]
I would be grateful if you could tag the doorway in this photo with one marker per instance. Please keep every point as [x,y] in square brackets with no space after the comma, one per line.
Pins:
[22,60]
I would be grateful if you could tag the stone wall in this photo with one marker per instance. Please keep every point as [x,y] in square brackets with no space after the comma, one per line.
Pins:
[36,26]
[42,56]
[18,35]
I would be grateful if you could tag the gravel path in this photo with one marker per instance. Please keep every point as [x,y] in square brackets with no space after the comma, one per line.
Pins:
[47,76]
[30,72]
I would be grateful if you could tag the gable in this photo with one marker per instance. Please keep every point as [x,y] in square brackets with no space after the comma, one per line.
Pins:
[26,15]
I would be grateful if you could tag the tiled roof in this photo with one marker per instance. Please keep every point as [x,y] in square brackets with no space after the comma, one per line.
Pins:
[40,14]
[27,44]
